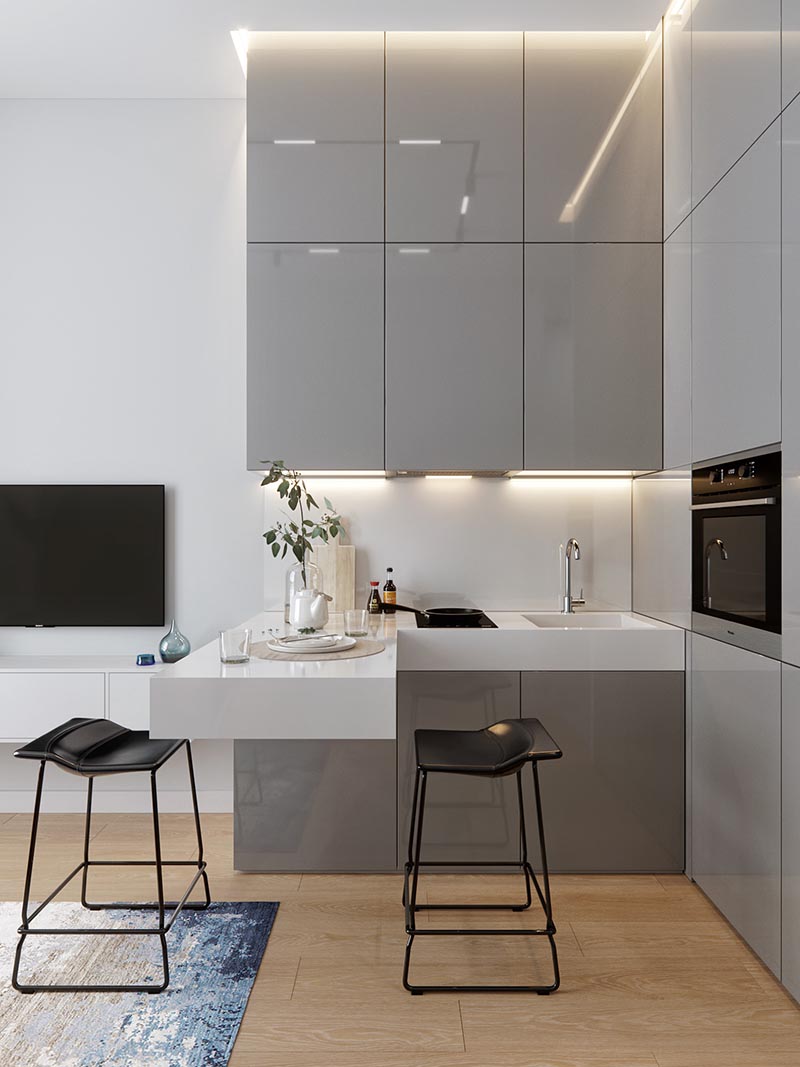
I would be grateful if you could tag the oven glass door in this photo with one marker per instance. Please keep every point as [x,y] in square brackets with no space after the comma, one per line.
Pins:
[736,564]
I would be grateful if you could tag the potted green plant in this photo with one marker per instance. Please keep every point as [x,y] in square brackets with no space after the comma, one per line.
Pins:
[297,535]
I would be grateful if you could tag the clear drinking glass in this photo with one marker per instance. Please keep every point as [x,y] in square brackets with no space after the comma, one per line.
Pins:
[356,622]
[234,646]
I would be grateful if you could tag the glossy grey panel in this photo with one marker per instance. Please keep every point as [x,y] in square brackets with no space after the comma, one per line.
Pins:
[315,356]
[790,971]
[593,356]
[790,49]
[790,339]
[736,789]
[326,88]
[662,546]
[615,801]
[592,137]
[463,90]
[465,818]
[314,806]
[736,342]
[678,347]
[736,88]
[677,117]
[454,357]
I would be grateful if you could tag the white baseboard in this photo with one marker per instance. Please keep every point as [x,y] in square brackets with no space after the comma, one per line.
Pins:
[169,800]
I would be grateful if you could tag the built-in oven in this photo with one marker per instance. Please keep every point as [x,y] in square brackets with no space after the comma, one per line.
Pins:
[736,552]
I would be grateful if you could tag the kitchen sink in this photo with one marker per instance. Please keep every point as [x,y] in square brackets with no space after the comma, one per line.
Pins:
[590,620]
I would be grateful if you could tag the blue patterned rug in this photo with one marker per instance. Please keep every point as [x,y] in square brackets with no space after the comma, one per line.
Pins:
[214,956]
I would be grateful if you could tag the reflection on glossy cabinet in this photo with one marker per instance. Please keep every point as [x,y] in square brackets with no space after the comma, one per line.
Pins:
[790,384]
[592,137]
[465,818]
[315,356]
[790,817]
[736,90]
[678,346]
[593,356]
[315,137]
[454,357]
[615,801]
[662,546]
[677,116]
[790,50]
[453,136]
[736,342]
[736,789]
[314,806]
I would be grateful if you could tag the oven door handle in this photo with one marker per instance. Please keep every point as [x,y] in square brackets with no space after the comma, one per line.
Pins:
[736,504]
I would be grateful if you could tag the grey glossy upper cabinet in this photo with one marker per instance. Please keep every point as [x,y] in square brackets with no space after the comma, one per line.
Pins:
[678,346]
[315,137]
[315,381]
[454,137]
[593,356]
[790,870]
[677,116]
[790,385]
[736,789]
[736,87]
[736,333]
[454,374]
[592,137]
[790,50]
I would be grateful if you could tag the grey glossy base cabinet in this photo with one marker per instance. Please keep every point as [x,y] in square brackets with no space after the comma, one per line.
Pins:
[615,800]
[736,789]
[790,870]
[314,806]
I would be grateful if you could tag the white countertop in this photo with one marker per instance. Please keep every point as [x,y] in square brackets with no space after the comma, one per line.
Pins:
[356,698]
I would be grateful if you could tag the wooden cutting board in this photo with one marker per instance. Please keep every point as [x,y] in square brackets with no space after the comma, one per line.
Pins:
[337,565]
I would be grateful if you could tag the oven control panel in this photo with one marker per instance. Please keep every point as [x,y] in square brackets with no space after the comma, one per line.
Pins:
[738,477]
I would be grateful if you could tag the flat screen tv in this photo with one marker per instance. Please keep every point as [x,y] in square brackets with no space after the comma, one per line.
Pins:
[81,555]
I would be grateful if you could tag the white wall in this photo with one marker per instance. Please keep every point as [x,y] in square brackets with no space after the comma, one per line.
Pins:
[122,344]
[494,541]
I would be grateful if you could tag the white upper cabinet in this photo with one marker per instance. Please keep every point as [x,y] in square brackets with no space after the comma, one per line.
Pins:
[592,137]
[677,378]
[791,379]
[454,137]
[677,117]
[736,329]
[736,90]
[315,137]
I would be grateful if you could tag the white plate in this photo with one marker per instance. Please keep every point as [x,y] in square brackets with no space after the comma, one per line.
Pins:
[326,644]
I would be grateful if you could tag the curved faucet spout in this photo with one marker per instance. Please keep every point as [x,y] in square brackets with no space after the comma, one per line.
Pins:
[571,552]
[715,542]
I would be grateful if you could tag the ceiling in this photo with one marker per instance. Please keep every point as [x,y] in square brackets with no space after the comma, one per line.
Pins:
[182,48]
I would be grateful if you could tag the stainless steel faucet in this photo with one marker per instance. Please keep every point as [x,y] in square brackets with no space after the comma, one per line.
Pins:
[717,542]
[572,551]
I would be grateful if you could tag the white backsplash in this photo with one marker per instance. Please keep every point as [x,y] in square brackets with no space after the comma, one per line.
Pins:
[494,542]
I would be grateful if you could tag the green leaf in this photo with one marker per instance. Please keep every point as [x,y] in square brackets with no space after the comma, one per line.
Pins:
[275,549]
[270,536]
[311,501]
[298,551]
[283,554]
[328,504]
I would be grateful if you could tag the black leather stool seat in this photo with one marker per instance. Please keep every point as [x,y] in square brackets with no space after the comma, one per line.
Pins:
[492,752]
[90,747]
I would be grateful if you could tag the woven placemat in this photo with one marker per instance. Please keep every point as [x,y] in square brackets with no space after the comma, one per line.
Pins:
[362,647]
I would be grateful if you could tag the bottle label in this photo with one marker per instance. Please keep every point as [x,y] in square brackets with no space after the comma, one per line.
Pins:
[390,596]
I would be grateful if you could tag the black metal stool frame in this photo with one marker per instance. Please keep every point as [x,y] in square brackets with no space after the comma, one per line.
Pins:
[164,924]
[411,873]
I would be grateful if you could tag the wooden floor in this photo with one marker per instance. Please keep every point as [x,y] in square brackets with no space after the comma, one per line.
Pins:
[652,976]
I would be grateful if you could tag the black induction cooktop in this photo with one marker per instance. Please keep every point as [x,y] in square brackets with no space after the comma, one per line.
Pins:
[483,623]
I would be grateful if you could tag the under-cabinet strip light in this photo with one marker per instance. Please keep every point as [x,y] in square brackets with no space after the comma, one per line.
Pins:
[572,474]
[324,251]
[418,140]
[448,477]
[413,251]
[293,141]
[344,474]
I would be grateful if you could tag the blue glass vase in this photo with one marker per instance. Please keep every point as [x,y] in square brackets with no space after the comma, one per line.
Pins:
[174,646]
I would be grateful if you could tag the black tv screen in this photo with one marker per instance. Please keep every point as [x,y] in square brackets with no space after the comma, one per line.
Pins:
[81,555]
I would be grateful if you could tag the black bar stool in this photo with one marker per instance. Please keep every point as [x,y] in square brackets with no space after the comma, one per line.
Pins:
[494,752]
[91,747]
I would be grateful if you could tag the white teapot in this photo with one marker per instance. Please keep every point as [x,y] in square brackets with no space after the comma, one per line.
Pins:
[309,609]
